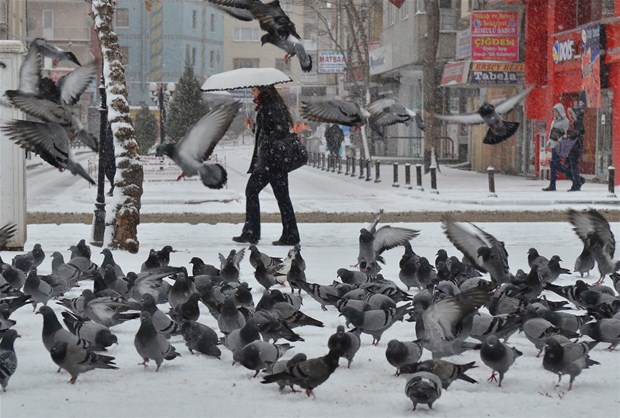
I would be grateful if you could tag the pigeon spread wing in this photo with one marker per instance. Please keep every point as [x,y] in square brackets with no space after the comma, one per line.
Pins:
[48,140]
[40,108]
[465,241]
[387,112]
[333,111]
[73,84]
[30,73]
[388,237]
[586,223]
[507,105]
[199,142]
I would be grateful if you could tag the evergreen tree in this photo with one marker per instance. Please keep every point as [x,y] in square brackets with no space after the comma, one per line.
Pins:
[145,126]
[186,107]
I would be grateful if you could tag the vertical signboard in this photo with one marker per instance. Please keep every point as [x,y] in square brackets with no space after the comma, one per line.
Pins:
[591,64]
[495,35]
[331,62]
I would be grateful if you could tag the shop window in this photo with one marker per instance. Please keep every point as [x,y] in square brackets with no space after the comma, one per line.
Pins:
[246,63]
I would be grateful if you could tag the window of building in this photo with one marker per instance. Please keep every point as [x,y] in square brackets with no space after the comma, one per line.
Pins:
[286,5]
[190,55]
[445,4]
[194,19]
[607,8]
[124,55]
[246,35]
[282,65]
[212,22]
[391,14]
[211,59]
[246,63]
[121,18]
[48,24]
[404,10]
[420,7]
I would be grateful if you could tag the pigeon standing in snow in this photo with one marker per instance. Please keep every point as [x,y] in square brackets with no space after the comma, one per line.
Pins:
[568,358]
[308,374]
[373,241]
[229,266]
[498,356]
[281,31]
[282,365]
[152,345]
[446,371]
[162,322]
[399,353]
[8,359]
[270,263]
[605,330]
[260,355]
[499,129]
[423,387]
[98,336]
[346,343]
[191,152]
[375,321]
[32,258]
[53,331]
[201,338]
[76,360]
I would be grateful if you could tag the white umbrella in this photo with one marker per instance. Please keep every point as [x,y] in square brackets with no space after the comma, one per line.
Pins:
[242,78]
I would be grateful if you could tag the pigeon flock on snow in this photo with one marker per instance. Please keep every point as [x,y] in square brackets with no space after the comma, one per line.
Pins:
[460,303]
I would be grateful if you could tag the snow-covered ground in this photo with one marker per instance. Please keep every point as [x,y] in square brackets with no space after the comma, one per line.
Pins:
[203,386]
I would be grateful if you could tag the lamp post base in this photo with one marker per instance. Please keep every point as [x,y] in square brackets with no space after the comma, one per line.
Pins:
[98,225]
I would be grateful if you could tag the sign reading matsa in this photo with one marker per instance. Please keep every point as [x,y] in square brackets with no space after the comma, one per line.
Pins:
[331,62]
[495,35]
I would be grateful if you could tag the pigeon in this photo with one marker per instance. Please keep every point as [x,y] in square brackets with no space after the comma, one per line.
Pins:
[260,355]
[270,263]
[281,366]
[446,371]
[295,275]
[151,263]
[187,311]
[281,31]
[32,258]
[152,345]
[592,228]
[585,260]
[605,330]
[6,233]
[48,140]
[229,266]
[163,255]
[199,268]
[162,322]
[482,249]
[53,331]
[191,151]
[108,311]
[399,353]
[346,343]
[568,358]
[230,318]
[503,325]
[444,325]
[499,129]
[8,359]
[352,276]
[376,321]
[120,285]
[263,276]
[498,356]
[423,387]
[307,374]
[52,51]
[373,241]
[325,295]
[181,290]
[538,330]
[330,110]
[39,290]
[387,112]
[98,336]
[76,360]
[240,337]
[201,338]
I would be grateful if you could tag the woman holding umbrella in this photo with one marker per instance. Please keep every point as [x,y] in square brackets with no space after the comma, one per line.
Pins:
[273,122]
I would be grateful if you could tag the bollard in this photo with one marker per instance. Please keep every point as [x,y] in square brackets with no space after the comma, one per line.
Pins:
[418,177]
[408,176]
[491,176]
[339,165]
[346,167]
[352,166]
[323,162]
[368,162]
[434,180]
[611,181]
[334,162]
[395,175]
[362,164]
[377,172]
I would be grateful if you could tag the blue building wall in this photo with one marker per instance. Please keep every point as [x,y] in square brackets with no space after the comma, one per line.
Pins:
[159,41]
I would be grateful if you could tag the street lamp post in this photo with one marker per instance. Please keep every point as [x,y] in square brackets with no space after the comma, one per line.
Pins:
[161,96]
[99,216]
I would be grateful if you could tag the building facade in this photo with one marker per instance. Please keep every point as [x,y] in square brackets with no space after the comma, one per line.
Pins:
[159,38]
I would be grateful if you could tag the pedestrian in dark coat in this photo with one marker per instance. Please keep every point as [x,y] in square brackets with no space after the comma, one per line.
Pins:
[559,126]
[572,147]
[334,137]
[273,122]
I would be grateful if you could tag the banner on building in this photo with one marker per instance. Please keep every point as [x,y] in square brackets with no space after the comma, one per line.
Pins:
[591,64]
[497,73]
[331,62]
[463,44]
[495,35]
[397,3]
[454,73]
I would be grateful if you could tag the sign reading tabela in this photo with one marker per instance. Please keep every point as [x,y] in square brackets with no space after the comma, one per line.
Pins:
[495,35]
[497,73]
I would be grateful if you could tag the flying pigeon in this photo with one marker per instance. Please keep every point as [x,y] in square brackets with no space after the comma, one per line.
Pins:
[592,228]
[8,359]
[52,51]
[280,29]
[190,152]
[498,356]
[482,249]
[308,374]
[373,242]
[330,110]
[499,129]
[76,360]
[386,112]
[423,387]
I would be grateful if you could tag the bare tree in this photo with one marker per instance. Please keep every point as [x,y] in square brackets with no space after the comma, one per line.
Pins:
[123,218]
[429,74]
